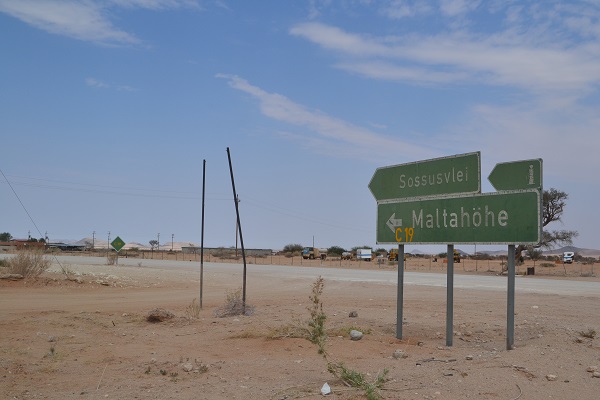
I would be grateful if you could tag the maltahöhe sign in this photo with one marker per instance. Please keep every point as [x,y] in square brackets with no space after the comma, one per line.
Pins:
[492,218]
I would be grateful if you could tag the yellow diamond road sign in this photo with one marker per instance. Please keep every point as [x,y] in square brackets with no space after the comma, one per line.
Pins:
[117,244]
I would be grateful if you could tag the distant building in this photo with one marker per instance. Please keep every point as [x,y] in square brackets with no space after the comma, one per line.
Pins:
[226,251]
[20,244]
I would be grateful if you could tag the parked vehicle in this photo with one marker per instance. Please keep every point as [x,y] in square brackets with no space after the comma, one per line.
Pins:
[456,256]
[311,253]
[364,254]
[393,255]
[568,257]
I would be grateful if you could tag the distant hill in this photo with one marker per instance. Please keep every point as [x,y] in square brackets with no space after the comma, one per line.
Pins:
[576,250]
[555,252]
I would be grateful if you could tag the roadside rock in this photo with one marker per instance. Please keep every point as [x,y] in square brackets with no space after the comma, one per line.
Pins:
[551,377]
[399,354]
[355,335]
[353,314]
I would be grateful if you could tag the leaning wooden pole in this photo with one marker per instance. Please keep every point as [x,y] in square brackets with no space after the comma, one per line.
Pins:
[239,225]
[202,234]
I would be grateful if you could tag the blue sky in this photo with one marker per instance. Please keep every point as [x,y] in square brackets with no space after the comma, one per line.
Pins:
[109,108]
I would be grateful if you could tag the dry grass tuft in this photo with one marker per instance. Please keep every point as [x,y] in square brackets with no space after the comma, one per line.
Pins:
[193,310]
[30,263]
[234,306]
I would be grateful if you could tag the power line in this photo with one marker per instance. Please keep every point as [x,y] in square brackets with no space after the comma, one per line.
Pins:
[22,205]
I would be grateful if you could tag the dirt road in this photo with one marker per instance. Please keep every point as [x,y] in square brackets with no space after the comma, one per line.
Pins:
[61,339]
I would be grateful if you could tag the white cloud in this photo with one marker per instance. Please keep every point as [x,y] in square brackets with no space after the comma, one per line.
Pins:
[83,20]
[95,83]
[565,138]
[98,84]
[454,8]
[335,38]
[157,4]
[343,137]
[398,9]
[500,59]
[388,71]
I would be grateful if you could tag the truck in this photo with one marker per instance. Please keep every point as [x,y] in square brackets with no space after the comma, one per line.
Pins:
[364,254]
[393,255]
[568,257]
[456,256]
[311,253]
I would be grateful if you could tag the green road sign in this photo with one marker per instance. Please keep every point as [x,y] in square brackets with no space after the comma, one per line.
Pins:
[490,218]
[517,175]
[459,174]
[117,244]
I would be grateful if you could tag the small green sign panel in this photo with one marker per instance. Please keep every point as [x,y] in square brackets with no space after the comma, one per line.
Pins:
[491,218]
[117,244]
[459,174]
[517,175]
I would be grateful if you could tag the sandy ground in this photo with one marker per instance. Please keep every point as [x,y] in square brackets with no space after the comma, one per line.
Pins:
[89,339]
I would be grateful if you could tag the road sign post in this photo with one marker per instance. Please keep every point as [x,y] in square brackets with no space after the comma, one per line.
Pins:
[400,292]
[117,244]
[439,201]
[450,295]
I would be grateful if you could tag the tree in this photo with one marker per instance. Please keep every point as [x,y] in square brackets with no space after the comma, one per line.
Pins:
[292,248]
[361,247]
[554,202]
[5,237]
[335,251]
[153,243]
[534,254]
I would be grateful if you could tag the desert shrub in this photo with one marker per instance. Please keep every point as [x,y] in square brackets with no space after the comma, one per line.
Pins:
[548,265]
[111,258]
[30,264]
[234,305]
[317,334]
[292,248]
[335,251]
[316,324]
[193,310]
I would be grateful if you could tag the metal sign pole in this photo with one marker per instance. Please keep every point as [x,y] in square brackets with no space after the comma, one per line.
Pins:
[400,292]
[450,295]
[510,303]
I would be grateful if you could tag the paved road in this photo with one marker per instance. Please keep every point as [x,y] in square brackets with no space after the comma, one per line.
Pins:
[479,282]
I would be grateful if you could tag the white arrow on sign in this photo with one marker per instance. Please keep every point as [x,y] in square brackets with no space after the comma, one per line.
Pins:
[393,223]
